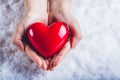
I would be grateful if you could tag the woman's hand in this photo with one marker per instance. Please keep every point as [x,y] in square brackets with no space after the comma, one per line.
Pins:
[36,11]
[60,11]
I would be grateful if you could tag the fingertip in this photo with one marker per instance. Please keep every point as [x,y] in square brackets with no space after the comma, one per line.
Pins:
[52,69]
[44,66]
[37,59]
[50,66]
[39,63]
[57,61]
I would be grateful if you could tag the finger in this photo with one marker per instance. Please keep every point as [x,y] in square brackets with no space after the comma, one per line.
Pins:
[32,54]
[37,59]
[44,64]
[58,58]
[17,37]
[51,62]
[47,62]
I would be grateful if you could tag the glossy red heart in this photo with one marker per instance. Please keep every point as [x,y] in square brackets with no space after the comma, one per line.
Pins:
[47,40]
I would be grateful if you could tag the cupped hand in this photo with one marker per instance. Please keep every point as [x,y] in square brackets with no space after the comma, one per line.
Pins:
[29,18]
[64,15]
[37,12]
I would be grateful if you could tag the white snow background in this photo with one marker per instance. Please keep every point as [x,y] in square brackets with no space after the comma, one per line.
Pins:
[96,58]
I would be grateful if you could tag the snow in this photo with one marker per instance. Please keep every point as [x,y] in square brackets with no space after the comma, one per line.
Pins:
[97,57]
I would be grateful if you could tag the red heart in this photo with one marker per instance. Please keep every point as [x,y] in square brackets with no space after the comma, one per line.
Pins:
[48,40]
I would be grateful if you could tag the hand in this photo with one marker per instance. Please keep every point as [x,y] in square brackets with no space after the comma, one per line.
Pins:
[34,13]
[60,12]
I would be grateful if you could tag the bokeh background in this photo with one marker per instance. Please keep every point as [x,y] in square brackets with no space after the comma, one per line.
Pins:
[96,58]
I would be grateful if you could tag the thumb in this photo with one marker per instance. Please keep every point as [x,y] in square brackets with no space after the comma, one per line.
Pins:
[74,28]
[75,33]
[17,36]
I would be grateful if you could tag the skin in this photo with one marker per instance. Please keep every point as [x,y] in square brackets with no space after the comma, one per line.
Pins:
[32,15]
[59,11]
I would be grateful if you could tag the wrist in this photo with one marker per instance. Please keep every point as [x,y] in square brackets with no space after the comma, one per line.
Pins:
[38,6]
[60,6]
[34,15]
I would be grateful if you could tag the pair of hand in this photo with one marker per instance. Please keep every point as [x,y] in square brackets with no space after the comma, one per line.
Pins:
[36,11]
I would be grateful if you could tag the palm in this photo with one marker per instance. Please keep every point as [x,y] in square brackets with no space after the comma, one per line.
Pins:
[21,41]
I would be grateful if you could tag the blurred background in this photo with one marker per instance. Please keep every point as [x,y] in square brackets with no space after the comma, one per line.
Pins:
[96,58]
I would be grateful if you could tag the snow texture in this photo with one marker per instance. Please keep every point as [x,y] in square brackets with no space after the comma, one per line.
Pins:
[96,58]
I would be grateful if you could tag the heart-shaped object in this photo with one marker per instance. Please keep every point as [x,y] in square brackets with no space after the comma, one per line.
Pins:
[48,40]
